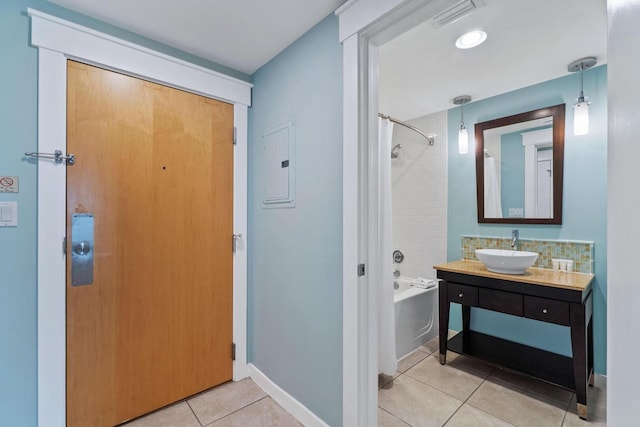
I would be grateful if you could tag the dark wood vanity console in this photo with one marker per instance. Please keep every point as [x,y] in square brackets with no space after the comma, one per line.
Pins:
[540,294]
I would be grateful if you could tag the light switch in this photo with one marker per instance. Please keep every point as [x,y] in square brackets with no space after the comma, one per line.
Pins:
[8,214]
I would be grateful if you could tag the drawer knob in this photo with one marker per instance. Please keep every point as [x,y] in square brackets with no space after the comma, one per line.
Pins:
[544,310]
[460,295]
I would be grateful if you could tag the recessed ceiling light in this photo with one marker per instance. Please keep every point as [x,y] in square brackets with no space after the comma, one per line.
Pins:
[471,39]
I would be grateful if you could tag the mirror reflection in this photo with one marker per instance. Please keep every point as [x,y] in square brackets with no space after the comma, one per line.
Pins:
[519,167]
[518,170]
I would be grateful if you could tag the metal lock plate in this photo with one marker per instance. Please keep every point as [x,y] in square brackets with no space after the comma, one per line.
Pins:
[81,249]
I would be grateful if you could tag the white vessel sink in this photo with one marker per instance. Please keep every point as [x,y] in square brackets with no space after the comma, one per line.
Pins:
[507,262]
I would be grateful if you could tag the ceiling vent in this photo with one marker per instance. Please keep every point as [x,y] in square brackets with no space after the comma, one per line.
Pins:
[452,11]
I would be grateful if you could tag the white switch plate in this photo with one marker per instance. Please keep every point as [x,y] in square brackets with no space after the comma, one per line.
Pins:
[8,214]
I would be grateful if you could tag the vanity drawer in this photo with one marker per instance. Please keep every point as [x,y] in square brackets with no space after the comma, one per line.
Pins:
[547,310]
[467,295]
[504,302]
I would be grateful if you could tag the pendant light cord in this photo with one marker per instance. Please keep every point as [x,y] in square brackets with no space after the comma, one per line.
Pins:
[581,96]
[461,100]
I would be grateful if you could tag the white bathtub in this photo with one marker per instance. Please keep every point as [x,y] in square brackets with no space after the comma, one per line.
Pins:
[416,313]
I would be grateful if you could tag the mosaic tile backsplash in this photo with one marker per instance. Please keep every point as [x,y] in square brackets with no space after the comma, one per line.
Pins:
[580,252]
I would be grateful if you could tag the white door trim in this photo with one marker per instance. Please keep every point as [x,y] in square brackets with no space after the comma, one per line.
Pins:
[363,26]
[58,40]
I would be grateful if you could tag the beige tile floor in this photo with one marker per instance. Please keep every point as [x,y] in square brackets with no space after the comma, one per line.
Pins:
[240,404]
[464,393]
[469,392]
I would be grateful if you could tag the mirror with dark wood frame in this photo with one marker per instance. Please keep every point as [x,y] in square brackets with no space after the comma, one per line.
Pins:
[519,165]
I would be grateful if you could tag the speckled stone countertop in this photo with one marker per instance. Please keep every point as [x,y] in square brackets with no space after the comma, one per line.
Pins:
[537,276]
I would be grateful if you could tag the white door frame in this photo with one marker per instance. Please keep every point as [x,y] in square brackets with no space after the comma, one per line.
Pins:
[364,25]
[58,40]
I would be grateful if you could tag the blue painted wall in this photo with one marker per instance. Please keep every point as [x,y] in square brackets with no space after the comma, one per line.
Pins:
[18,384]
[18,127]
[295,261]
[584,201]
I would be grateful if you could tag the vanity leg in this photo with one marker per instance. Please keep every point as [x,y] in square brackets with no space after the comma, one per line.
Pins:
[591,372]
[582,411]
[466,319]
[580,352]
[466,327]
[443,310]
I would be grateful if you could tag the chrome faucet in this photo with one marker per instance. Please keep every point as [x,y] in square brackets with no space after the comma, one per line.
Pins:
[396,273]
[515,239]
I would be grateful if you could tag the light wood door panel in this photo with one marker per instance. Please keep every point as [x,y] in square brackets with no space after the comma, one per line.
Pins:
[154,166]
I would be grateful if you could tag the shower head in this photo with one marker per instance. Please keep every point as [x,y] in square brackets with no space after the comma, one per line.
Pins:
[395,151]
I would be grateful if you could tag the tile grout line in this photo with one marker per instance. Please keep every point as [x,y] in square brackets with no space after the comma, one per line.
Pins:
[567,410]
[523,391]
[414,352]
[437,389]
[430,354]
[237,410]
[193,412]
[465,402]
[469,397]
[433,387]
[489,413]
[400,373]
[397,418]
[384,410]
[442,391]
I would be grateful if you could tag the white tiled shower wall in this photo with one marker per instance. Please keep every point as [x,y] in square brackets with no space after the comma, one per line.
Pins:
[419,193]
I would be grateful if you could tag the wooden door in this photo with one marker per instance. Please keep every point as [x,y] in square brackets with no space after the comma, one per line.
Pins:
[154,165]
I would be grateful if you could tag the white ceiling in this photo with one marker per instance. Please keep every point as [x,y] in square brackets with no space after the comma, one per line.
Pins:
[529,41]
[421,71]
[239,34]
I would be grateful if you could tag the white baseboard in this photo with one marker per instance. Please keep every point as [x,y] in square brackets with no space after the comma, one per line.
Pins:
[600,381]
[284,399]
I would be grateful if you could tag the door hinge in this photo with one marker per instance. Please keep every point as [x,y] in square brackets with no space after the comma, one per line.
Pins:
[235,135]
[233,351]
[64,245]
[360,270]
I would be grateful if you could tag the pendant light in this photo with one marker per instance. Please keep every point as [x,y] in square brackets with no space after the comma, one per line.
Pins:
[581,109]
[463,134]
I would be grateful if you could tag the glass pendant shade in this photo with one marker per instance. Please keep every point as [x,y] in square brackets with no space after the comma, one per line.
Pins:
[463,135]
[581,109]
[463,140]
[581,118]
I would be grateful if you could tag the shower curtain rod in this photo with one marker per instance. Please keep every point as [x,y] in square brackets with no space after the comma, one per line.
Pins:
[430,138]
